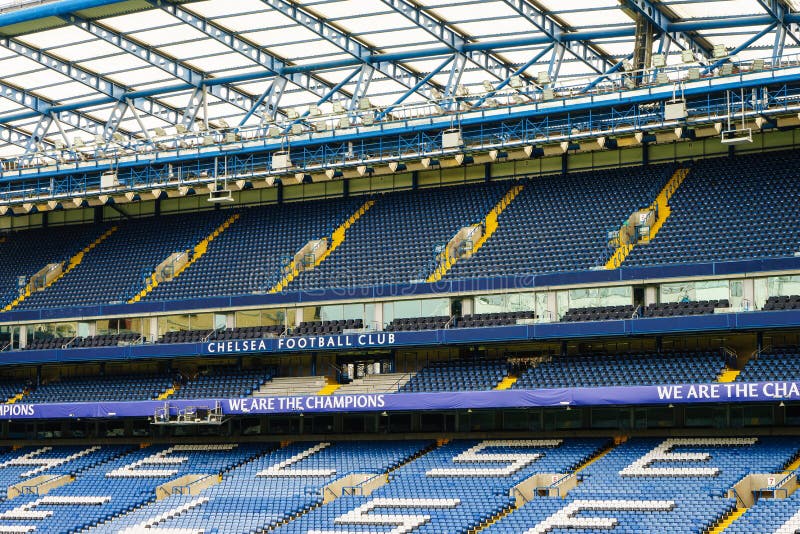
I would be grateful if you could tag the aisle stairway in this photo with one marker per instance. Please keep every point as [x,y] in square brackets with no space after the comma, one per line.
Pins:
[291,386]
[378,383]
[660,207]
[198,252]
[73,262]
[489,225]
[338,236]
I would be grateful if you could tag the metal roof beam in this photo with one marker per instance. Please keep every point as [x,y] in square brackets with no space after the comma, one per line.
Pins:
[311,83]
[778,11]
[91,79]
[162,61]
[488,61]
[43,108]
[650,11]
[554,32]
[366,54]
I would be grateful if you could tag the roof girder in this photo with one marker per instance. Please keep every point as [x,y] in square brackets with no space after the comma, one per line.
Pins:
[390,68]
[579,49]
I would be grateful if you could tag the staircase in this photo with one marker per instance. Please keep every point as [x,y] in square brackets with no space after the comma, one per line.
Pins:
[291,386]
[337,238]
[74,261]
[16,398]
[167,393]
[661,207]
[727,520]
[728,375]
[330,387]
[378,383]
[490,226]
[506,383]
[199,250]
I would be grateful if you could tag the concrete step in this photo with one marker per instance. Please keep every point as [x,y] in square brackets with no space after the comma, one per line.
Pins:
[291,386]
[378,383]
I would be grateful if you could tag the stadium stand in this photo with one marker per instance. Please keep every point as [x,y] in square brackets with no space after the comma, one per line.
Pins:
[100,388]
[222,382]
[458,486]
[560,223]
[789,302]
[246,258]
[116,270]
[674,495]
[599,313]
[773,364]
[730,209]
[395,242]
[493,319]
[413,324]
[103,340]
[770,515]
[274,488]
[122,484]
[10,389]
[597,370]
[27,252]
[457,376]
[322,328]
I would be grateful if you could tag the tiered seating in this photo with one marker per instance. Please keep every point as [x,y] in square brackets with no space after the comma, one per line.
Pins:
[102,340]
[560,223]
[623,370]
[396,240]
[413,324]
[185,336]
[770,515]
[677,496]
[223,382]
[106,340]
[122,484]
[321,328]
[493,319]
[10,388]
[271,489]
[599,313]
[458,375]
[453,487]
[782,303]
[250,332]
[730,209]
[674,309]
[776,364]
[115,270]
[27,252]
[47,342]
[100,388]
[250,255]
[27,462]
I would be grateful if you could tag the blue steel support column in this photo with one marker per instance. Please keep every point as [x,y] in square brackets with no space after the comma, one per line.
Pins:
[578,47]
[362,85]
[439,29]
[413,89]
[651,12]
[605,75]
[505,82]
[269,98]
[778,10]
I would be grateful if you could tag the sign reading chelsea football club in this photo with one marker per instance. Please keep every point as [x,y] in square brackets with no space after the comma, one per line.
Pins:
[282,344]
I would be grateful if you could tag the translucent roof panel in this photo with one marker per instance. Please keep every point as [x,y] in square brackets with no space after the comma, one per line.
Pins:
[300,53]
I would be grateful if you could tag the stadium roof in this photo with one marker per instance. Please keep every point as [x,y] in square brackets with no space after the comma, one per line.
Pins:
[83,68]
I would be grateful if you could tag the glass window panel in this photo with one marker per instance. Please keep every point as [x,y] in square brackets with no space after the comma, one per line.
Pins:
[783,286]
[695,291]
